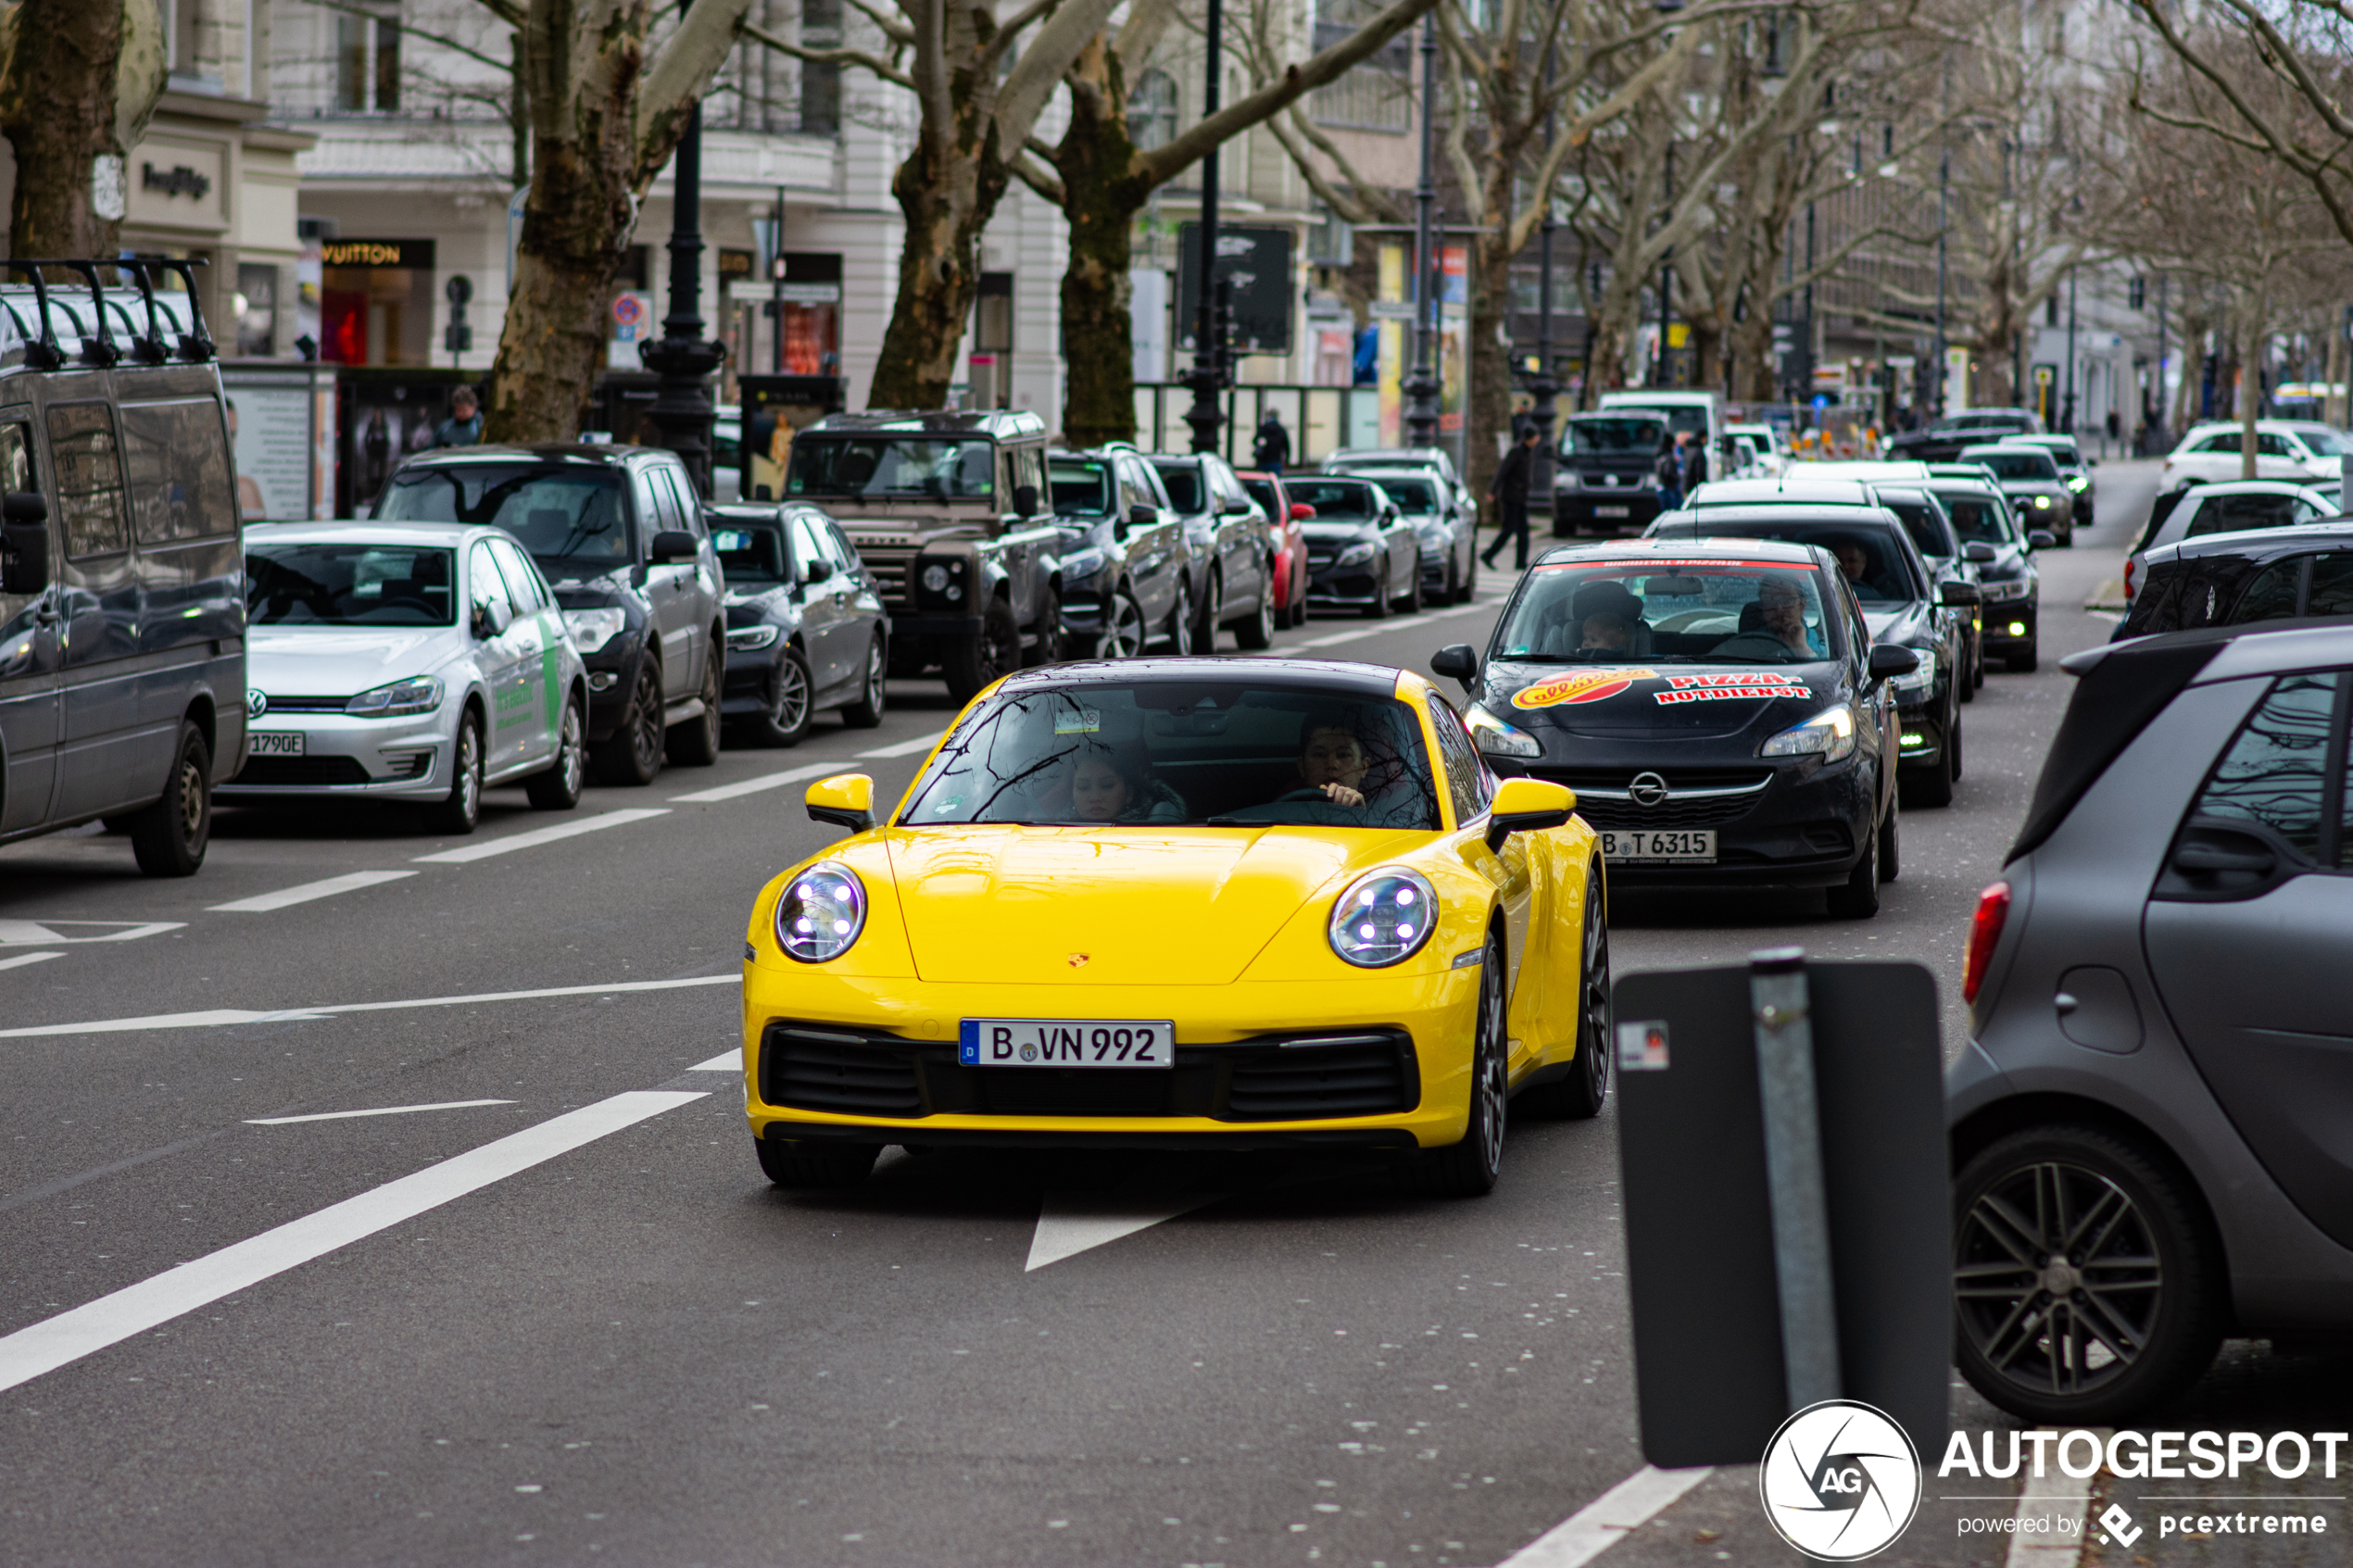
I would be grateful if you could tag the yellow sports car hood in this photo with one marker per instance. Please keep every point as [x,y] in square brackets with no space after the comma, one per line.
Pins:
[1113,906]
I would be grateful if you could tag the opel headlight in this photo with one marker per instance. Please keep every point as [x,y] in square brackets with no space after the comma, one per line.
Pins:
[592,629]
[1496,738]
[751,638]
[821,913]
[421,694]
[1830,733]
[1356,555]
[1384,918]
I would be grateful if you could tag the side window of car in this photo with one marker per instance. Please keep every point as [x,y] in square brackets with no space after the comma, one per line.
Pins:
[1466,779]
[2332,591]
[2272,596]
[682,497]
[16,457]
[178,458]
[845,555]
[483,586]
[808,545]
[657,509]
[2273,776]
[523,584]
[2269,445]
[81,442]
[2221,440]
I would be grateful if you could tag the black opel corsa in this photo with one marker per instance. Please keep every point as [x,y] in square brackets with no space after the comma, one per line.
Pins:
[1717,706]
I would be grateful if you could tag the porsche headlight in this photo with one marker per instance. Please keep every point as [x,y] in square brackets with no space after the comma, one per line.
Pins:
[420,694]
[1496,738]
[592,629]
[822,913]
[1356,555]
[1830,733]
[1384,918]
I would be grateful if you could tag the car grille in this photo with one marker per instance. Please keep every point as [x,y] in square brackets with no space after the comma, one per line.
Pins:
[308,704]
[1600,811]
[887,566]
[307,771]
[1270,1078]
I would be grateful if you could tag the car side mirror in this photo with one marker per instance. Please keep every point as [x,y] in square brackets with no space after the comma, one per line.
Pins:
[1528,806]
[1026,499]
[2042,539]
[1143,517]
[1301,511]
[1887,661]
[1979,553]
[492,617]
[1959,595]
[1457,661]
[24,543]
[671,546]
[845,800]
[816,571]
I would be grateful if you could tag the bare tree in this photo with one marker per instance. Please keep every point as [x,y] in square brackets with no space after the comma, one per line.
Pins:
[77,81]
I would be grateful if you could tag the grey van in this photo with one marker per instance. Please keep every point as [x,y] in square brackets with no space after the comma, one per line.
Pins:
[122,650]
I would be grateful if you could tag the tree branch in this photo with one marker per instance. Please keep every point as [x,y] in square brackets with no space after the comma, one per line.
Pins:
[858,57]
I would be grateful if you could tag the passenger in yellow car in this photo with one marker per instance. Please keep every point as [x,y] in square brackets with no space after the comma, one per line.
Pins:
[1115,785]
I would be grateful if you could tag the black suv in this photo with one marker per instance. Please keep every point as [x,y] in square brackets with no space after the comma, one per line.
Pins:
[618,532]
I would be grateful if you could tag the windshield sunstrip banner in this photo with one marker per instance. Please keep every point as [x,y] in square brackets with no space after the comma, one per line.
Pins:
[1596,685]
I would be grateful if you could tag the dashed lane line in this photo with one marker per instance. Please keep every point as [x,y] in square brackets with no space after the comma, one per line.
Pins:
[23,959]
[538,836]
[217,1018]
[55,1342]
[42,932]
[726,1061]
[1608,1519]
[907,747]
[753,786]
[261,903]
[1380,628]
[381,1110]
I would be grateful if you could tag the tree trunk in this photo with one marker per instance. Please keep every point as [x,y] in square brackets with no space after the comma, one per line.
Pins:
[2256,308]
[1487,401]
[80,81]
[1101,195]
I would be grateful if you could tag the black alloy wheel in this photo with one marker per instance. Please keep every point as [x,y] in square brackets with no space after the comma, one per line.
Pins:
[1378,609]
[1048,648]
[557,789]
[872,700]
[790,1163]
[1579,1096]
[1857,897]
[1256,630]
[455,813]
[168,838]
[1180,621]
[632,755]
[2087,1283]
[1469,1169]
[975,664]
[790,708]
[1122,632]
[695,743]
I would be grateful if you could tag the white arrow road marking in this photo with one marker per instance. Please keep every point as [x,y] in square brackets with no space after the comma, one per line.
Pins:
[386,1111]
[753,786]
[1071,1223]
[1608,1519]
[538,836]
[220,1017]
[69,1337]
[906,747]
[261,903]
[24,958]
[17,932]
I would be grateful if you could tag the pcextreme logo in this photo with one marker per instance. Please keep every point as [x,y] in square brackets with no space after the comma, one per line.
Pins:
[1841,1481]
[1585,686]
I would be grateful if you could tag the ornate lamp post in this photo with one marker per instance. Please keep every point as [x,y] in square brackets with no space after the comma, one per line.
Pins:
[1421,385]
[1208,375]
[682,355]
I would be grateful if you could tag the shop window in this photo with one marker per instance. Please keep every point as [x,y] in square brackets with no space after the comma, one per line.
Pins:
[367,62]
[376,302]
[820,83]
[256,308]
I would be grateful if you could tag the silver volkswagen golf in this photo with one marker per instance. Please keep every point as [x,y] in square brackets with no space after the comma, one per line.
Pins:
[407,661]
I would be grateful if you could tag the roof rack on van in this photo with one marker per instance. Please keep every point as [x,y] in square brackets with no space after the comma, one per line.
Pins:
[97,346]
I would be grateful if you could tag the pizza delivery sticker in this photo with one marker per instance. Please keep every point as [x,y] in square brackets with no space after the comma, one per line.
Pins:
[1753,685]
[1585,686]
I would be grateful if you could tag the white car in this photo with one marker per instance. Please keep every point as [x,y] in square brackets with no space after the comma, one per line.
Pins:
[2233,507]
[2290,449]
[407,661]
[1772,451]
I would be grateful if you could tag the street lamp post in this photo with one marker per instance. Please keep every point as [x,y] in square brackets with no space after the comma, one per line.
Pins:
[682,355]
[1421,384]
[1208,374]
[1943,189]
[2067,408]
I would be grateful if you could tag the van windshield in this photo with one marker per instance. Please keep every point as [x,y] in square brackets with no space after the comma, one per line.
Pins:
[570,513]
[348,585]
[1601,435]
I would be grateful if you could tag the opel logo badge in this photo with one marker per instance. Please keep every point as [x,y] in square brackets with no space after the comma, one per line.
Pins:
[1647,789]
[257,703]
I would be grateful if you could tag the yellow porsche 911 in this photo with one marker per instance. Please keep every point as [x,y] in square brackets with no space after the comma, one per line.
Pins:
[1232,903]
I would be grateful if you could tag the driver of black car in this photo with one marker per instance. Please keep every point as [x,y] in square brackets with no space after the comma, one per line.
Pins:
[1854,559]
[1595,606]
[1773,625]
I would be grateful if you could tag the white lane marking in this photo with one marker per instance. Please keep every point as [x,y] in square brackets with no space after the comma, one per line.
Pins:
[2056,1503]
[385,1111]
[1376,627]
[22,960]
[1608,1519]
[28,932]
[1071,1223]
[905,748]
[220,1017]
[753,786]
[55,1342]
[538,836]
[726,1061]
[261,903]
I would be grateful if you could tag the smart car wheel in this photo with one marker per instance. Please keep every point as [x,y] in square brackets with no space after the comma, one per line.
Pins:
[2087,1287]
[633,754]
[786,721]
[168,838]
[792,1164]
[1578,1096]
[458,811]
[695,743]
[557,789]
[1469,1169]
[867,712]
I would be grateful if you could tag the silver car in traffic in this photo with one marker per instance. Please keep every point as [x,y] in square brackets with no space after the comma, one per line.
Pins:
[407,661]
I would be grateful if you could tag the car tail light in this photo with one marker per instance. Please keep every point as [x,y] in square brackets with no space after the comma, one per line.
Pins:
[2128,577]
[1984,932]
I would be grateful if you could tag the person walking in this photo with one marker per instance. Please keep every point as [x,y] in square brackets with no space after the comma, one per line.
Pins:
[463,427]
[1509,490]
[1694,462]
[1667,474]
[1272,449]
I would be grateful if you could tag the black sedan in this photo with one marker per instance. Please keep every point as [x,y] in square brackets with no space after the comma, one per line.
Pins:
[1719,707]
[1361,551]
[805,630]
[2007,579]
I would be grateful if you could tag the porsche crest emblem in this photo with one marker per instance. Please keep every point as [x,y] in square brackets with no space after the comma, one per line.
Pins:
[1079,960]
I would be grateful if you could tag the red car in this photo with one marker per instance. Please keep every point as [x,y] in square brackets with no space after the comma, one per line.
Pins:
[1284,517]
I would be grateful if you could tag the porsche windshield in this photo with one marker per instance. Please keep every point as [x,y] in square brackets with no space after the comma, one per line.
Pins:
[883,467]
[1685,613]
[568,513]
[1152,754]
[348,585]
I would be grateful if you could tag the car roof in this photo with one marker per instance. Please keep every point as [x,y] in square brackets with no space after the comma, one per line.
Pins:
[350,531]
[1954,483]
[1868,470]
[2036,438]
[1341,677]
[1873,515]
[2251,487]
[1799,489]
[1003,423]
[576,454]
[2294,539]
[1776,550]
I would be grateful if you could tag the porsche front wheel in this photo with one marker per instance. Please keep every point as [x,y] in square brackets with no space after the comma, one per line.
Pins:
[1469,1169]
[1578,1096]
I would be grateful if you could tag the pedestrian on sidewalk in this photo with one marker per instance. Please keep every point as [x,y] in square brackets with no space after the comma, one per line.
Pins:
[1272,449]
[1667,474]
[1509,492]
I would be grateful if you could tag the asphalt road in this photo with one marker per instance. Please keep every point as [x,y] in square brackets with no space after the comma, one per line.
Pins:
[556,1316]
